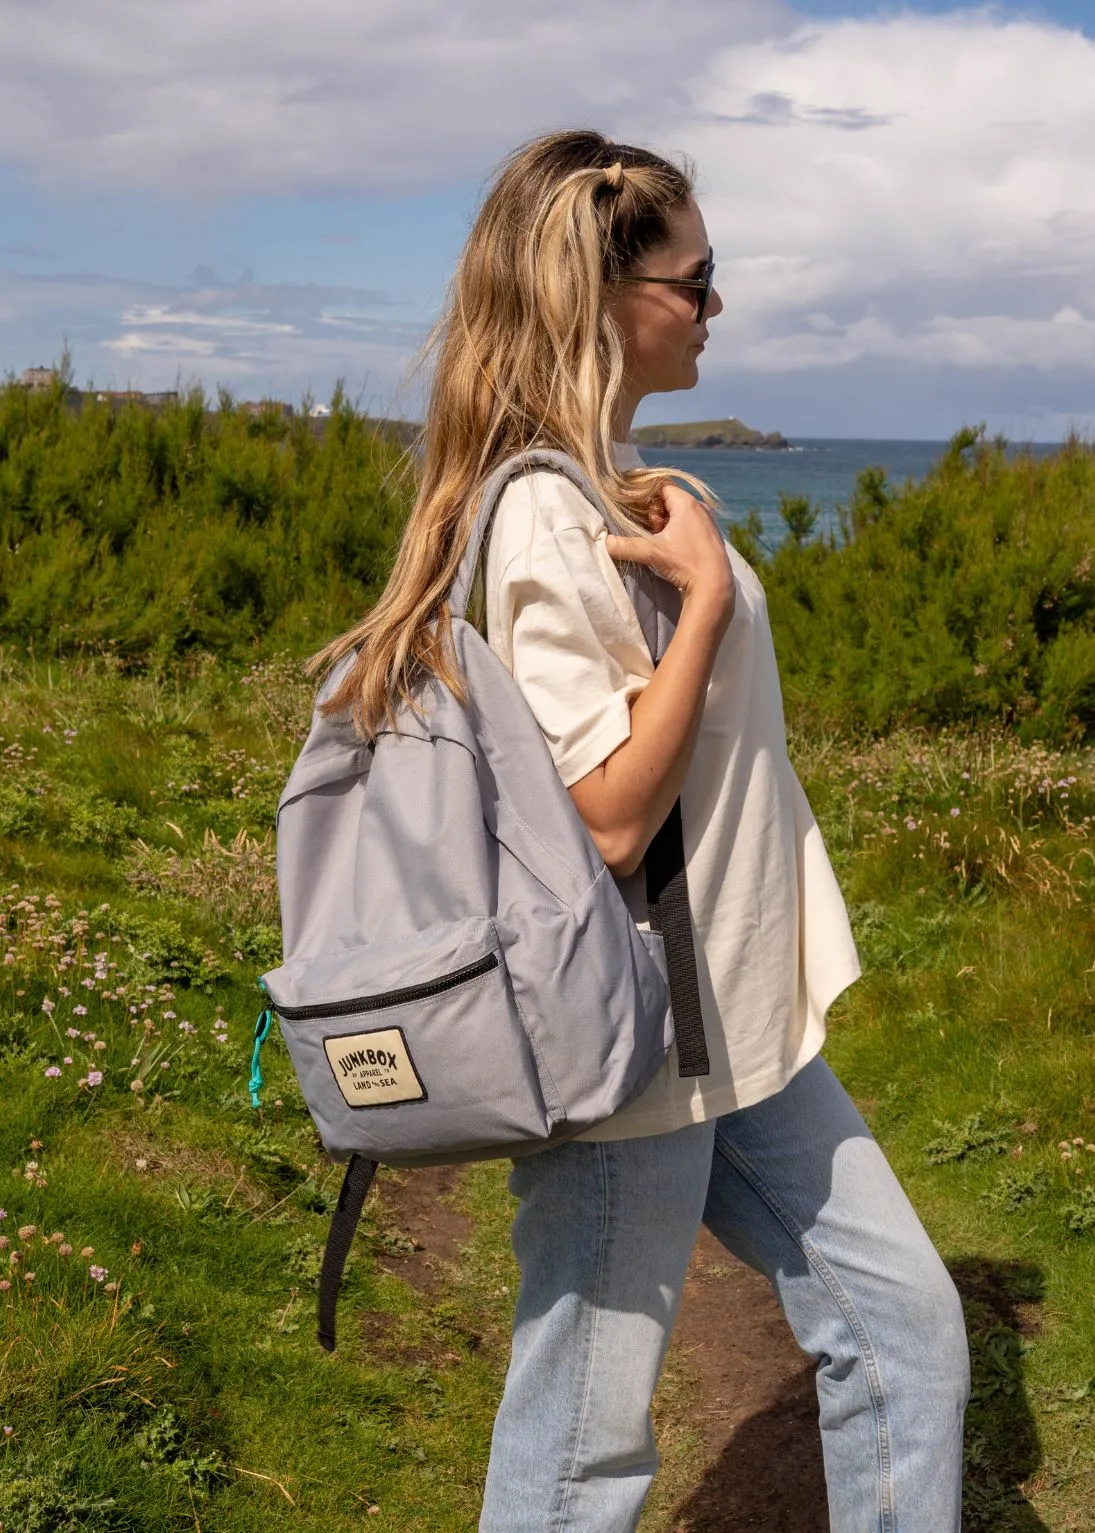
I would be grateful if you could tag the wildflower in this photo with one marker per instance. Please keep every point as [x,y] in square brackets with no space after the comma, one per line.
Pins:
[27,1231]
[163,1064]
[140,1163]
[110,1287]
[3,1213]
[88,1037]
[67,1059]
[910,823]
[4,1286]
[95,1077]
[52,1072]
[99,1043]
[48,1006]
[15,1258]
[64,1249]
[169,1016]
[28,1277]
[88,1251]
[954,812]
[72,1032]
[1079,1139]
[96,1274]
[966,776]
[136,1085]
[56,1238]
[77,1011]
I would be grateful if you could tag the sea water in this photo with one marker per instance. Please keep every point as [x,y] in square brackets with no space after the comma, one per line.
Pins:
[823,470]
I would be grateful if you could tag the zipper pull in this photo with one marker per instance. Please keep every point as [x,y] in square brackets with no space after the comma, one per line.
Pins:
[262,1028]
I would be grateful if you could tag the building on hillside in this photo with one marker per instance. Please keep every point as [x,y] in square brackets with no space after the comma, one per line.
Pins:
[275,407]
[135,396]
[37,379]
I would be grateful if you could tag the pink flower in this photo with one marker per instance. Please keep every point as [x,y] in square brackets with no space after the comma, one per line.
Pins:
[4,1286]
[52,1072]
[77,1011]
[97,1274]
[954,813]
[95,1077]
[48,1006]
[72,1032]
[67,1059]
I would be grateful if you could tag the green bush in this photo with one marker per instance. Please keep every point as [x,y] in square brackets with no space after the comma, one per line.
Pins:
[969,597]
[155,532]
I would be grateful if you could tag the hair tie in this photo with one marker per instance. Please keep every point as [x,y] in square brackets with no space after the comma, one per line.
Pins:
[614,177]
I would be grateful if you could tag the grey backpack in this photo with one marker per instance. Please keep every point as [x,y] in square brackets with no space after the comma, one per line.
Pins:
[461,977]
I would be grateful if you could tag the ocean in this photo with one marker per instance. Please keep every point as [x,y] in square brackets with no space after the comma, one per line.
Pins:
[822,469]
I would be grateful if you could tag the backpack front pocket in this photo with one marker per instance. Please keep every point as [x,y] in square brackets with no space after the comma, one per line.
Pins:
[414,1046]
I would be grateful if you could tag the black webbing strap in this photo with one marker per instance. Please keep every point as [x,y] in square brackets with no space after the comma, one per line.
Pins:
[658,607]
[667,899]
[351,1200]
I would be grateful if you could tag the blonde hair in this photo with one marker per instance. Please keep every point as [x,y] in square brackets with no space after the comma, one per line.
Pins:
[526,354]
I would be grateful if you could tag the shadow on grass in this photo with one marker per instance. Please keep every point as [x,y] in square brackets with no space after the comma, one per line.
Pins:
[769,1475]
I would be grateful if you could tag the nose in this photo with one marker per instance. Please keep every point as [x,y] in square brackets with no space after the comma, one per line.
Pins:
[714,304]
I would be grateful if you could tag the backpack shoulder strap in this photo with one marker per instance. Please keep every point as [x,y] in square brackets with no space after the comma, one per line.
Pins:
[489,496]
[657,607]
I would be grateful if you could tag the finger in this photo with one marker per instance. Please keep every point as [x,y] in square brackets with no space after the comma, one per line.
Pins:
[628,550]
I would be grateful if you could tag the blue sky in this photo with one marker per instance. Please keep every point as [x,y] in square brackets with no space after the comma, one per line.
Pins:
[269,197]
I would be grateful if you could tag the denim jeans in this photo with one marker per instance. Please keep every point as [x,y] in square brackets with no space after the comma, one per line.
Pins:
[796,1187]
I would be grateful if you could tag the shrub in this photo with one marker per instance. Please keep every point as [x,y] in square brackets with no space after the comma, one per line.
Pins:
[969,597]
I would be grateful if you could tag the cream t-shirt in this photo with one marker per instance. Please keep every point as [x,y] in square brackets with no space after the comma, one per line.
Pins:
[773,944]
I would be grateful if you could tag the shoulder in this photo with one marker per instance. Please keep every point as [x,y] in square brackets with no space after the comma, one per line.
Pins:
[542,504]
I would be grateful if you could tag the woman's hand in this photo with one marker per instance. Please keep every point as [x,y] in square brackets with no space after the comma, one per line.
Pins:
[686,549]
[625,799]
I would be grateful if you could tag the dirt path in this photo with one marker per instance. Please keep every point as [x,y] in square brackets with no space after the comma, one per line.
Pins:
[753,1395]
[754,1402]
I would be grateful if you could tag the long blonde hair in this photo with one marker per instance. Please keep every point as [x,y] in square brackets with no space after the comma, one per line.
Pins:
[526,354]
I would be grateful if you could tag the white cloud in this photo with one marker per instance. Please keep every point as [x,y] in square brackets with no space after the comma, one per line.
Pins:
[905,192]
[273,338]
[912,186]
[277,96]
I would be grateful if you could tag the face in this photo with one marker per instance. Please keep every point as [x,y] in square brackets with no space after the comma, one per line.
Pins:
[662,338]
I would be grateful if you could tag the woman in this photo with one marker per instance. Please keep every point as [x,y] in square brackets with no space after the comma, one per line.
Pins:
[584,286]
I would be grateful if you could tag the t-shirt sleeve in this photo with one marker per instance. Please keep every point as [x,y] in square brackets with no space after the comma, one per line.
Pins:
[560,619]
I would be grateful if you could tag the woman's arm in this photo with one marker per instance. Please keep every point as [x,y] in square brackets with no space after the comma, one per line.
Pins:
[625,799]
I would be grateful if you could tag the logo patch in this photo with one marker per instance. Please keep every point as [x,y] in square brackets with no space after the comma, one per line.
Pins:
[374,1069]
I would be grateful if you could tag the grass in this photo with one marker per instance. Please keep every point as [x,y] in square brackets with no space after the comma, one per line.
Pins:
[160,1370]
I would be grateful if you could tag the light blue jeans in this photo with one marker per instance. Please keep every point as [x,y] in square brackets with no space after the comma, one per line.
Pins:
[797,1188]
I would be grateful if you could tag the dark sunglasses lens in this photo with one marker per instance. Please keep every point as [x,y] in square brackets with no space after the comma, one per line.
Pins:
[701,306]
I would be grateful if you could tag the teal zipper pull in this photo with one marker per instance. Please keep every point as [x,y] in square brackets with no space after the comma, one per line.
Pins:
[262,1028]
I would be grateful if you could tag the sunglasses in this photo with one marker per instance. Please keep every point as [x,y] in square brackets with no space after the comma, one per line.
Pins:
[699,285]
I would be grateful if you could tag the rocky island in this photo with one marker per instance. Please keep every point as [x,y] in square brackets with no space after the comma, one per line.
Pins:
[725,433]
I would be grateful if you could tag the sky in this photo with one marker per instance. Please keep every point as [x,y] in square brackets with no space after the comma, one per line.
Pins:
[270,196]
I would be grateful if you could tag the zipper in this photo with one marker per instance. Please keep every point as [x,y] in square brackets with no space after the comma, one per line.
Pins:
[390,997]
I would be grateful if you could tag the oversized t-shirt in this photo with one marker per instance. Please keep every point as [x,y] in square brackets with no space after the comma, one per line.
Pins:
[773,943]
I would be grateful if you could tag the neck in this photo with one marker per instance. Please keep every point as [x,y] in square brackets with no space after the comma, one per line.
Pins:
[627,403]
